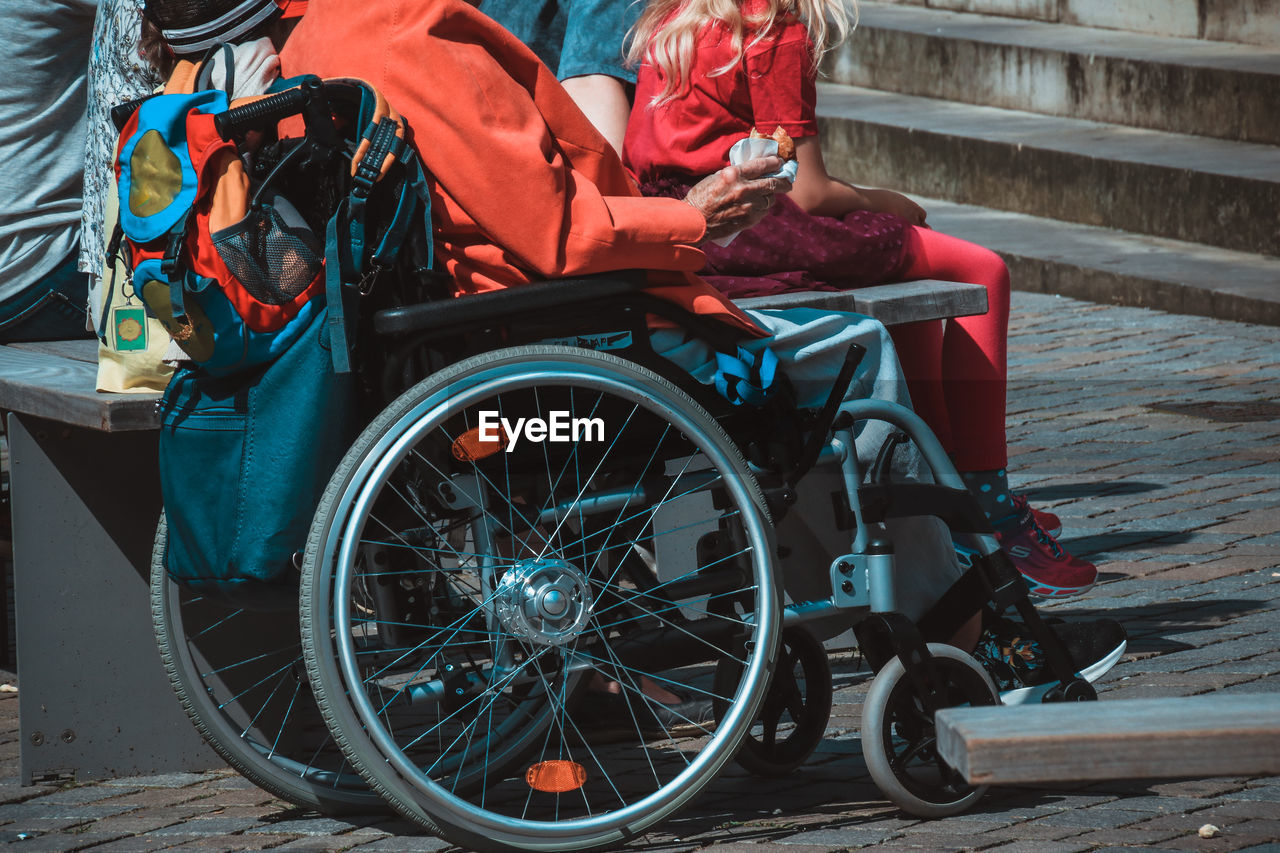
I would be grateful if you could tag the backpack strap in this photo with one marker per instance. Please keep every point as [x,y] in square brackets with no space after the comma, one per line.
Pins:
[384,142]
[170,267]
[335,276]
[413,190]
[203,80]
[346,233]
[182,80]
[113,250]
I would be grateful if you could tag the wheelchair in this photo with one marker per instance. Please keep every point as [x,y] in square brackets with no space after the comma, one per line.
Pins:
[545,518]
[563,517]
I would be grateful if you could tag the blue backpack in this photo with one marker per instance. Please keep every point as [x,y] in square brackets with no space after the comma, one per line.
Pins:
[257,249]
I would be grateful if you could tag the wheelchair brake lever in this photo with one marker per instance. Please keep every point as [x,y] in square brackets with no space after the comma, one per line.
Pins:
[883,465]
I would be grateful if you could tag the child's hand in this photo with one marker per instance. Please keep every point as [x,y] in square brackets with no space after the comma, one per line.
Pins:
[737,197]
[888,201]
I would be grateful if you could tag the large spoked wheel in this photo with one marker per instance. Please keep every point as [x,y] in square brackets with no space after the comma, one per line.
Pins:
[496,626]
[899,741]
[239,675]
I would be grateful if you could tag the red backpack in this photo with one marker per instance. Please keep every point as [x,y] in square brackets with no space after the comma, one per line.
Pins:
[236,235]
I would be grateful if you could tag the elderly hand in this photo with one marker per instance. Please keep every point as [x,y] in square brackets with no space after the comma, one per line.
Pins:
[737,197]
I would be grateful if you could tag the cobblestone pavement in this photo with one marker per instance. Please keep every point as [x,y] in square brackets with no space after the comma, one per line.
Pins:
[1155,436]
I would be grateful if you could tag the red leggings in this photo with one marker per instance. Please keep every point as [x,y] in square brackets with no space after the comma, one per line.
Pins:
[957,373]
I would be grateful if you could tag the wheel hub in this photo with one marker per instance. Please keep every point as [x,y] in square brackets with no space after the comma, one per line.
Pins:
[545,601]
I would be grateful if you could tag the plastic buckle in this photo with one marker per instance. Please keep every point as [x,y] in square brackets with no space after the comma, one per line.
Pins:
[363,180]
[173,246]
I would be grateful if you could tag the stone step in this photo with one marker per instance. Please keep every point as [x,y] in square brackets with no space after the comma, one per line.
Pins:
[1114,267]
[1193,86]
[1189,188]
[1246,21]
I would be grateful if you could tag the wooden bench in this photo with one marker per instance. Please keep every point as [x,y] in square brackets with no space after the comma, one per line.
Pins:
[1221,734]
[94,700]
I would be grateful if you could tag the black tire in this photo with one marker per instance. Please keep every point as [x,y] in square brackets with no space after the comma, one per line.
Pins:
[240,678]
[455,608]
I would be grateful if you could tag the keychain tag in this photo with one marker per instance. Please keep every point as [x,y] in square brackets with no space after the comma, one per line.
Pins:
[130,324]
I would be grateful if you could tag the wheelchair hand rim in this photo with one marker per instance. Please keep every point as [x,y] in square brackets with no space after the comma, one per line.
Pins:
[388,453]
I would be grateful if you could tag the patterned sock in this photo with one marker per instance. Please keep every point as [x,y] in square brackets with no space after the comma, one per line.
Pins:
[991,488]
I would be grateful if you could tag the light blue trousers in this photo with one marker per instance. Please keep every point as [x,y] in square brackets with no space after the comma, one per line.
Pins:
[811,344]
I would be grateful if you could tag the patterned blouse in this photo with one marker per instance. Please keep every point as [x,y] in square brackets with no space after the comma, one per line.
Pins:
[117,73]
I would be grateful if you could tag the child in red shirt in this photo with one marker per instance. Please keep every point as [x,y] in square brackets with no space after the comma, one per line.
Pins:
[711,71]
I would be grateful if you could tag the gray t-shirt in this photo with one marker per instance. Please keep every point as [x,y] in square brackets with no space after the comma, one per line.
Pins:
[44,56]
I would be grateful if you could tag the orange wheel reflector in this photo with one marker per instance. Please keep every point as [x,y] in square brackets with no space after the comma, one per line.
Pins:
[556,777]
[470,446]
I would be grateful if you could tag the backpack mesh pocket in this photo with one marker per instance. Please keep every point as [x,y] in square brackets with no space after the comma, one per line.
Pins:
[272,252]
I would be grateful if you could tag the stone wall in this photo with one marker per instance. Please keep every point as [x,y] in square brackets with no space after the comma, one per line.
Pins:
[1246,21]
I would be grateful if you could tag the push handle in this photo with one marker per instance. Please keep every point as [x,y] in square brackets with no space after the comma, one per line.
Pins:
[307,98]
[121,113]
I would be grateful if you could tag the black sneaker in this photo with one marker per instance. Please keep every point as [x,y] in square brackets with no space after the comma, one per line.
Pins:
[1016,663]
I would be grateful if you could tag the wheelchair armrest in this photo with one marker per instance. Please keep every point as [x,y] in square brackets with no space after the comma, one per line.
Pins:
[478,310]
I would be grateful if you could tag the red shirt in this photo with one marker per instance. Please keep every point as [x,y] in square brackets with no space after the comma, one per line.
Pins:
[691,134]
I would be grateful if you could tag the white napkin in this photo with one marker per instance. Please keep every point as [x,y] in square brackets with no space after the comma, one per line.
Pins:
[748,149]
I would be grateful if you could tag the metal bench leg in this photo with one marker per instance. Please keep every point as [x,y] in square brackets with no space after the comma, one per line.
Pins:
[94,699]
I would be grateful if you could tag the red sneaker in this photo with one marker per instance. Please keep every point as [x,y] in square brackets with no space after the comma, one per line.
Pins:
[1048,522]
[1049,569]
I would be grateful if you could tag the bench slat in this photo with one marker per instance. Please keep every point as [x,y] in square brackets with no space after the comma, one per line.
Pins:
[1223,734]
[56,380]
[891,304]
[74,350]
[62,389]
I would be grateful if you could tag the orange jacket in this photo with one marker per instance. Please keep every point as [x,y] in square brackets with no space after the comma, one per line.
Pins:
[524,188]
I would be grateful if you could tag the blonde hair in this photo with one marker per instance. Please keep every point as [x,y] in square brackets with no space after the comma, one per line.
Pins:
[667,32]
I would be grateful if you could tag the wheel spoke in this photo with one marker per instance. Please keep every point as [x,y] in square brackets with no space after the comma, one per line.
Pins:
[460,667]
[237,672]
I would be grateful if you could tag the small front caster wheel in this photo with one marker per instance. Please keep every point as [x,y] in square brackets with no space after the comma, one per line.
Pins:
[899,741]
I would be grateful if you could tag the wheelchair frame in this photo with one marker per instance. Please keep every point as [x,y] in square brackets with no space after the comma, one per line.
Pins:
[915,677]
